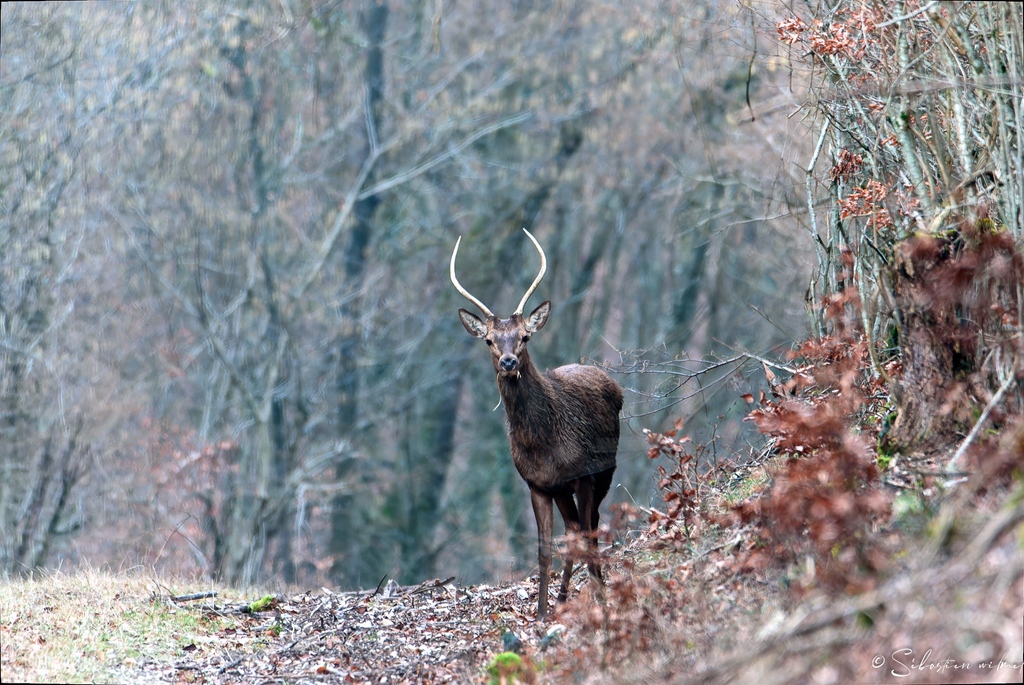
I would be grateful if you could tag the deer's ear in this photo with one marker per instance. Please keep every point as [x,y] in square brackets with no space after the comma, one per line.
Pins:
[538,317]
[473,324]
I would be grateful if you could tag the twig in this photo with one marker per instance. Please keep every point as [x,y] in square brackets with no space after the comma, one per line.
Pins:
[810,177]
[1008,517]
[230,665]
[952,465]
[316,264]
[377,591]
[735,540]
[809,181]
[193,596]
[895,20]
[903,131]
[425,586]
[429,585]
[410,174]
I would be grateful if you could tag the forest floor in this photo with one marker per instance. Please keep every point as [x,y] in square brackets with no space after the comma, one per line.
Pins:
[948,608]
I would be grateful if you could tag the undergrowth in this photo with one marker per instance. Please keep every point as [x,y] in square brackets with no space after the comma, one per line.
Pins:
[837,520]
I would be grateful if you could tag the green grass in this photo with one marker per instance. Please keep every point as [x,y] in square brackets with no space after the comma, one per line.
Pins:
[93,626]
[753,483]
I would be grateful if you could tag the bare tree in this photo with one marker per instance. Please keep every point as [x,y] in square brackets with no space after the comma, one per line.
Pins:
[919,154]
[249,220]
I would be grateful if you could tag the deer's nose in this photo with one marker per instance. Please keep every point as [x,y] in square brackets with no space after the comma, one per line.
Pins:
[509,363]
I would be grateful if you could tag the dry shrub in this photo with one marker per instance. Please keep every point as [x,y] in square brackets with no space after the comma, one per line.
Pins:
[679,488]
[920,284]
[925,190]
[642,619]
[827,495]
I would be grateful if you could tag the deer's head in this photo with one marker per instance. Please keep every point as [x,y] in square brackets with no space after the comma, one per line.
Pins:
[506,338]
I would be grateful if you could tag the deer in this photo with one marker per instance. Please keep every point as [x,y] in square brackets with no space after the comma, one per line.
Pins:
[563,428]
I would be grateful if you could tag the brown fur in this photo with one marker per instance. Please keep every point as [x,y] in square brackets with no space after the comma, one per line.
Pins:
[563,431]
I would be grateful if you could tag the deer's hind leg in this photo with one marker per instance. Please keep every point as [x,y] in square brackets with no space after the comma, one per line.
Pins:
[602,484]
[588,497]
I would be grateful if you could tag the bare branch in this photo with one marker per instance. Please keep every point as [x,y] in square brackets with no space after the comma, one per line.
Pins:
[406,176]
[953,464]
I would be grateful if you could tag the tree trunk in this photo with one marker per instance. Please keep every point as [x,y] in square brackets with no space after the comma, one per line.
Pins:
[429,453]
[937,345]
[374,22]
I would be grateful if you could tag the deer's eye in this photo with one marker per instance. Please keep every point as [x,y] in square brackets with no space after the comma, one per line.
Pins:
[488,341]
[526,338]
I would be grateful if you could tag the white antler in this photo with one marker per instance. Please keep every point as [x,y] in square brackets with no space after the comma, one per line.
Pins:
[536,281]
[458,286]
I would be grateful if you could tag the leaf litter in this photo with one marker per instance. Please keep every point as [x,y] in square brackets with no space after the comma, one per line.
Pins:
[434,632]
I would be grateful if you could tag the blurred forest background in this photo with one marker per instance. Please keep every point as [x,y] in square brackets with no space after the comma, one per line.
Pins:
[228,341]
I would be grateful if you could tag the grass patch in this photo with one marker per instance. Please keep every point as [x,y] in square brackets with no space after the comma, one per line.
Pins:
[92,626]
[756,480]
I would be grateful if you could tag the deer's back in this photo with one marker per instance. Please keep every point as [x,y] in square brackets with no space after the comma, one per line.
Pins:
[585,434]
[590,395]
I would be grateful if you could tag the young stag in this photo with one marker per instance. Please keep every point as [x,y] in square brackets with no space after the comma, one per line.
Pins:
[563,427]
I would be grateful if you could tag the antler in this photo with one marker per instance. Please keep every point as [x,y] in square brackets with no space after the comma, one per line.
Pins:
[458,286]
[478,303]
[536,281]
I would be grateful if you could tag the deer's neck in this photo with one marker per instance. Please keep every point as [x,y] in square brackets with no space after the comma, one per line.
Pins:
[528,403]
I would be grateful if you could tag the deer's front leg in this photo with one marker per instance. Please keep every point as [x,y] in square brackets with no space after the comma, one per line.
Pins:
[571,517]
[545,514]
